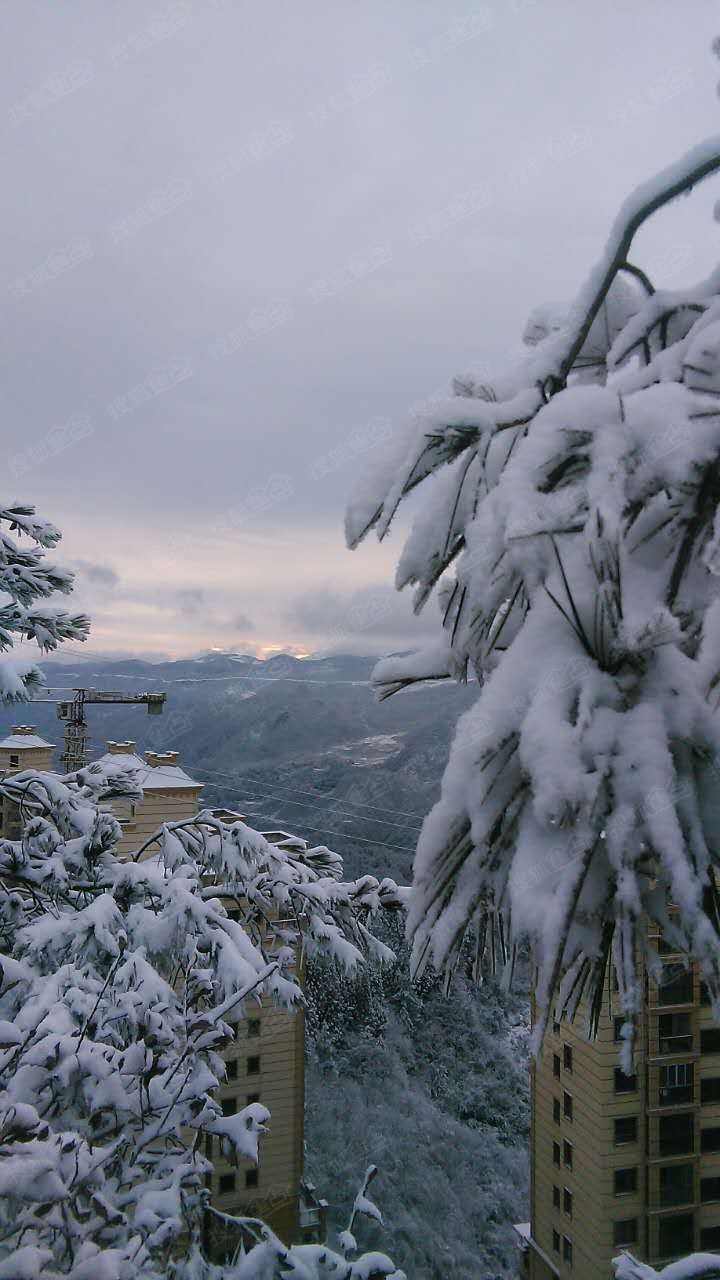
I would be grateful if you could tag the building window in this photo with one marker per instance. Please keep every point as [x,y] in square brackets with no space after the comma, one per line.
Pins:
[709,1190]
[710,1040]
[253,1066]
[567,1154]
[226,1183]
[675,1033]
[626,1130]
[567,1057]
[556,1028]
[623,1083]
[710,1238]
[676,1084]
[677,1135]
[567,1251]
[556,1241]
[625,1231]
[556,1110]
[710,1139]
[677,1185]
[251,1177]
[231,1069]
[556,1065]
[625,1181]
[567,1105]
[556,1197]
[676,985]
[253,1027]
[676,1235]
[14,762]
[705,997]
[252,1097]
[229,1106]
[710,1089]
[618,1024]
[567,1202]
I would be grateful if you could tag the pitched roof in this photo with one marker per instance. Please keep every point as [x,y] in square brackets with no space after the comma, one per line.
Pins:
[15,740]
[159,777]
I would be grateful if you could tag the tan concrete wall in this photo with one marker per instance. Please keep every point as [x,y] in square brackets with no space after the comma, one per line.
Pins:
[142,818]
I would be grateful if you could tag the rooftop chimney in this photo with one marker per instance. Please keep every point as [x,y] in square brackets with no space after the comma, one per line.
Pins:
[24,729]
[157,758]
[121,748]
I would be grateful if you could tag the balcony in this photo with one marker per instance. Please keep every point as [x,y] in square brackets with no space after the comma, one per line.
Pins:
[676,1096]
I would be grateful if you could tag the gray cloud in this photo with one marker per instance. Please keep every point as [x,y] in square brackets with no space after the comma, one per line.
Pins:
[369,620]
[191,599]
[100,575]
[242,623]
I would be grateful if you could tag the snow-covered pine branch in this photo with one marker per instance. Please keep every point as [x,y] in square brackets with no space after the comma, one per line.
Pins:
[697,1266]
[25,577]
[121,981]
[577,499]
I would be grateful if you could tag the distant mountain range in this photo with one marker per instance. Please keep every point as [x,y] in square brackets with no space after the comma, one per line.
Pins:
[300,743]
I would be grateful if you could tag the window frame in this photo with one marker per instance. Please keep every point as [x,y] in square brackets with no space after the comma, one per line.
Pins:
[620,1240]
[631,1170]
[628,1142]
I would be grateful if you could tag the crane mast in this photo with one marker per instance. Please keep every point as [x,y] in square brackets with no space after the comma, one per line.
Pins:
[72,711]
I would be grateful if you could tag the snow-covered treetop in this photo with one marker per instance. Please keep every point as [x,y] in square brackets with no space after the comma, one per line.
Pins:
[576,501]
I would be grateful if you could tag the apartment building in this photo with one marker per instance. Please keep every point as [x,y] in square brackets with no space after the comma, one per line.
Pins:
[627,1162]
[266,1061]
[22,748]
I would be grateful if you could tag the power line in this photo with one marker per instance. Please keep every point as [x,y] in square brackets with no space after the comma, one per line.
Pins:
[239,777]
[303,804]
[344,835]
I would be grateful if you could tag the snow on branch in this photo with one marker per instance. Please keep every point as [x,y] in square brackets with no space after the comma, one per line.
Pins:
[120,983]
[571,534]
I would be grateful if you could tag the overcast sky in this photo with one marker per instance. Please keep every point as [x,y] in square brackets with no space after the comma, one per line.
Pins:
[244,238]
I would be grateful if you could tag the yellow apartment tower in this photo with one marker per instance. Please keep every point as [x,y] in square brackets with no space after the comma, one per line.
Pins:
[627,1162]
[266,1062]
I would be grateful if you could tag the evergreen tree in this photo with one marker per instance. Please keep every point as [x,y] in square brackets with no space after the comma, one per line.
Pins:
[120,983]
[571,534]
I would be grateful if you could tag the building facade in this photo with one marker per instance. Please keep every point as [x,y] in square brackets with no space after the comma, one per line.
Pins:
[266,1061]
[627,1162]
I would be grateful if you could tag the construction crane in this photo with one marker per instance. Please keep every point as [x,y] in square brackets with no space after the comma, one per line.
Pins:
[72,711]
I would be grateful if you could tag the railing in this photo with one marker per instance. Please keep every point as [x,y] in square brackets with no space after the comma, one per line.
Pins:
[676,1044]
[675,1095]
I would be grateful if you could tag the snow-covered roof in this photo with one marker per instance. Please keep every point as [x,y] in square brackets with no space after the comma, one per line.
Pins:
[158,777]
[15,740]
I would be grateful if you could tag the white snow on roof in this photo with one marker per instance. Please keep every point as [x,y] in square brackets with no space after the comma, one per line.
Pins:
[161,777]
[14,740]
